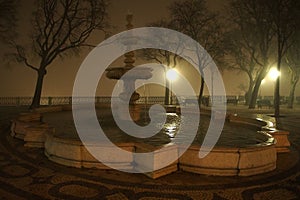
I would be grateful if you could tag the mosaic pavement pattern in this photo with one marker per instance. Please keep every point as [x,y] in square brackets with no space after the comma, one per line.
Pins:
[25,173]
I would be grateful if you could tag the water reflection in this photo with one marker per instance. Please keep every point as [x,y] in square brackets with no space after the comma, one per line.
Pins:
[172,124]
[233,134]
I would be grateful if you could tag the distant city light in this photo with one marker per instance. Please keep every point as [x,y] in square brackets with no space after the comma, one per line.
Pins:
[273,74]
[172,74]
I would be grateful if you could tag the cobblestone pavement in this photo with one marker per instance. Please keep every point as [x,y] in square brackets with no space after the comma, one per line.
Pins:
[25,173]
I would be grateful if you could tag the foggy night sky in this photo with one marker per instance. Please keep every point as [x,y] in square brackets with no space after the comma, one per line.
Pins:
[18,80]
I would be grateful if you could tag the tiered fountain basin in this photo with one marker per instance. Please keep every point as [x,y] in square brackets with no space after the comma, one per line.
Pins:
[230,157]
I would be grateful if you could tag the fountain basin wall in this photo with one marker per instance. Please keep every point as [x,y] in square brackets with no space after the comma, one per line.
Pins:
[22,122]
[282,143]
[71,152]
[161,162]
[230,161]
[222,161]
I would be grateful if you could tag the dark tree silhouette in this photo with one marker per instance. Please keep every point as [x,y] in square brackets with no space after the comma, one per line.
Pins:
[195,20]
[166,58]
[292,60]
[256,35]
[242,59]
[59,27]
[284,14]
[7,19]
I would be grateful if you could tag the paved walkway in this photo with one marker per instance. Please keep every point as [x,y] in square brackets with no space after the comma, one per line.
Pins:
[25,173]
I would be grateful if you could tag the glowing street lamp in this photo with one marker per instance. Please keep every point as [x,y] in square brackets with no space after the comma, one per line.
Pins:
[273,74]
[171,75]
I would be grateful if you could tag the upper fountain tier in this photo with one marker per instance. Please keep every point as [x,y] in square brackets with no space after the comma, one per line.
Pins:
[135,72]
[131,72]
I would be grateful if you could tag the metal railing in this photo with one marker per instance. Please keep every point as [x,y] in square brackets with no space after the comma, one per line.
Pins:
[26,101]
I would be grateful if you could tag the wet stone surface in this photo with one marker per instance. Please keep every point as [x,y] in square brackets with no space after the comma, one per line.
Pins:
[39,178]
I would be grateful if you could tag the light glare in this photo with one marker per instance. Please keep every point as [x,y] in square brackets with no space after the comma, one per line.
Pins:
[273,74]
[172,74]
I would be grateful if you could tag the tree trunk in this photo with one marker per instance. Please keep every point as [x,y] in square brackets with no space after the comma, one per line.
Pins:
[292,95]
[277,98]
[167,93]
[249,93]
[247,97]
[38,89]
[277,85]
[253,99]
[201,91]
[255,91]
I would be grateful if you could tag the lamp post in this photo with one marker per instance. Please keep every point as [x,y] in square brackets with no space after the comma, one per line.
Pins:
[274,75]
[260,89]
[171,75]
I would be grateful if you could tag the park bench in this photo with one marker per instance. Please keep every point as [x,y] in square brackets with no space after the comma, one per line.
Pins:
[232,100]
[298,99]
[190,102]
[205,101]
[264,102]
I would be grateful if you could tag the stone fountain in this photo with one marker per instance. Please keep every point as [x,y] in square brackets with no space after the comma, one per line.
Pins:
[62,145]
[136,73]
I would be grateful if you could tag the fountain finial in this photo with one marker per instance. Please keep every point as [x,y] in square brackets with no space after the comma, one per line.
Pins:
[129,18]
[129,57]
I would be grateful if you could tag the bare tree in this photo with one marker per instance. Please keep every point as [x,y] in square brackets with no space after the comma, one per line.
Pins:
[292,59]
[7,19]
[285,18]
[195,20]
[167,59]
[242,59]
[257,35]
[59,27]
